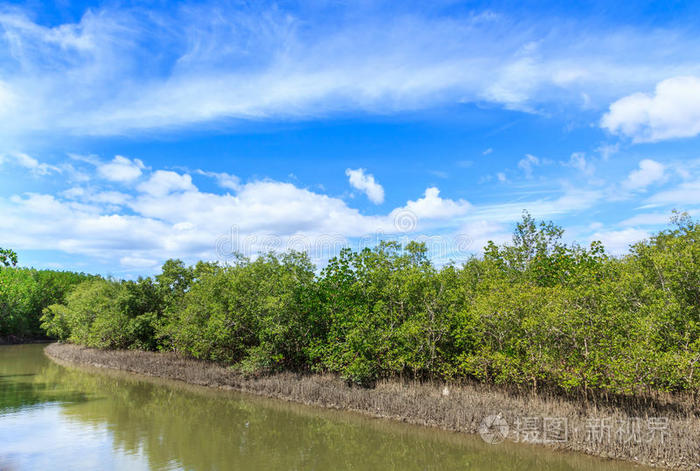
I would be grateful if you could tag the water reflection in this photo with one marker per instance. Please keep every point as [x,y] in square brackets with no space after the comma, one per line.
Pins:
[77,418]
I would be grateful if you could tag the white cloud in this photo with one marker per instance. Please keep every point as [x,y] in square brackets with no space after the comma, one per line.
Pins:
[501,177]
[168,216]
[579,162]
[487,151]
[649,172]
[164,182]
[7,99]
[682,195]
[138,262]
[30,163]
[26,161]
[223,179]
[74,193]
[366,184]
[273,62]
[607,150]
[88,195]
[121,169]
[572,200]
[526,164]
[480,231]
[111,197]
[432,206]
[439,173]
[618,242]
[673,111]
[647,219]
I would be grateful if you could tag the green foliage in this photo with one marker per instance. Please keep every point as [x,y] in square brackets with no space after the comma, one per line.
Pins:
[174,281]
[8,258]
[536,312]
[24,293]
[107,314]
[17,288]
[257,311]
[386,311]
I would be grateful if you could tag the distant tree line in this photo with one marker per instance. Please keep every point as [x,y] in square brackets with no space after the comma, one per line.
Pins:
[25,292]
[536,312]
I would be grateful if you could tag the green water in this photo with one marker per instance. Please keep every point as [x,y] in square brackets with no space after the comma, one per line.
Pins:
[53,417]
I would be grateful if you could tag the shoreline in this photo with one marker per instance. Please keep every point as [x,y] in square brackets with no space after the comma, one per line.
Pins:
[457,408]
[15,340]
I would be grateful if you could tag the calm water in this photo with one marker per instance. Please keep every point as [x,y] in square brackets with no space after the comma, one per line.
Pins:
[53,417]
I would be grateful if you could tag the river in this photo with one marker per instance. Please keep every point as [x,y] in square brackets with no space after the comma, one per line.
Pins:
[76,418]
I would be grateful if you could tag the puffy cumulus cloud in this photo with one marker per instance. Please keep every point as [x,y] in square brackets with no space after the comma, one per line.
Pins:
[164,182]
[168,216]
[121,169]
[261,207]
[432,207]
[45,222]
[649,172]
[672,111]
[366,184]
[618,242]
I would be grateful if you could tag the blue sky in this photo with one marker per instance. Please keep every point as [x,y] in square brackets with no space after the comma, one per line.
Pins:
[132,132]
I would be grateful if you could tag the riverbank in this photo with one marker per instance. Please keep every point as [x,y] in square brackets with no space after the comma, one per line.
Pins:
[17,340]
[662,433]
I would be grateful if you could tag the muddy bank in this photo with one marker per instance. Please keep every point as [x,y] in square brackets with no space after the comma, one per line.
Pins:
[15,340]
[663,434]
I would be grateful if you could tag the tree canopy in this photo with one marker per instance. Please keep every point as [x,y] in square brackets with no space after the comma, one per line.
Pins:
[535,312]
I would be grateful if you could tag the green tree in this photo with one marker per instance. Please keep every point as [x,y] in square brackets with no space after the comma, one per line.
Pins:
[17,288]
[535,313]
[8,258]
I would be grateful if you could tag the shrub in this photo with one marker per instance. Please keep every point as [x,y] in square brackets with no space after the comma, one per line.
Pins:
[533,313]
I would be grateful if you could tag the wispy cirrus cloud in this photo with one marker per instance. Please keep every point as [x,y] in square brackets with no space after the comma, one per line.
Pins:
[682,195]
[27,161]
[131,69]
[527,164]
